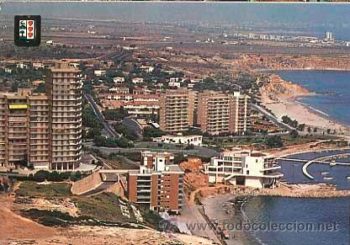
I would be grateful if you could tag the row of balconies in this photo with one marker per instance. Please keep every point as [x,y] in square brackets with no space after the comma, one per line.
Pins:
[68,157]
[66,149]
[67,104]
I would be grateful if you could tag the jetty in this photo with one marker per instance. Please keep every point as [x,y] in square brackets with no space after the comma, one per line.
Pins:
[323,160]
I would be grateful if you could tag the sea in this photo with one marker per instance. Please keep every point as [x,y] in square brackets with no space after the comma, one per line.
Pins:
[304,211]
[332,90]
[331,98]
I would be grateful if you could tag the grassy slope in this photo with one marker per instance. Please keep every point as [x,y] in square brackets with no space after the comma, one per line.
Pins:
[103,207]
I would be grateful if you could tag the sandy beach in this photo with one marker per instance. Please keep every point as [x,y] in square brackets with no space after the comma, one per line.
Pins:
[281,97]
[220,208]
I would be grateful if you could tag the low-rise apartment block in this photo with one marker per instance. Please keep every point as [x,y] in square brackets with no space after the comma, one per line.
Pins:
[141,106]
[158,184]
[195,140]
[245,168]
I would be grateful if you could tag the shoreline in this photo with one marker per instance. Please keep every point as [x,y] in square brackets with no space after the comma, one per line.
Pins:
[223,208]
[320,113]
[286,102]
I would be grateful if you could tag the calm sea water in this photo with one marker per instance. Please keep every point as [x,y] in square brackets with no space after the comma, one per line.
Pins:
[332,88]
[289,210]
[302,19]
[301,210]
[293,170]
[333,98]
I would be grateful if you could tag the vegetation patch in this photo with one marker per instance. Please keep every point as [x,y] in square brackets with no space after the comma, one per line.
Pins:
[104,207]
[34,189]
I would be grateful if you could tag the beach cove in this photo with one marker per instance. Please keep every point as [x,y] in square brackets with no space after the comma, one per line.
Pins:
[317,99]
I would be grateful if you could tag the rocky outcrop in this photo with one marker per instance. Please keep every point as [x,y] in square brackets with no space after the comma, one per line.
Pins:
[276,89]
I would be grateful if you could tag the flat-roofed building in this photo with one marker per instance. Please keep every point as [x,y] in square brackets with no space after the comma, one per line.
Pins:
[43,130]
[158,184]
[141,106]
[177,110]
[222,113]
[65,99]
[195,140]
[240,113]
[247,168]
[154,159]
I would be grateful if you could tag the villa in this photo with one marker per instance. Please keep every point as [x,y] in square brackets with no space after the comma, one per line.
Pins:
[247,168]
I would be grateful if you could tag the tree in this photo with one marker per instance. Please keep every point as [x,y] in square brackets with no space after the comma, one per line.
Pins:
[150,132]
[301,127]
[99,140]
[54,176]
[125,131]
[75,176]
[289,121]
[112,142]
[90,119]
[274,141]
[40,89]
[115,114]
[93,132]
[294,134]
[41,175]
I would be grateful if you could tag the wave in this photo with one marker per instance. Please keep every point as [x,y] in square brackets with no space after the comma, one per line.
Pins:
[313,108]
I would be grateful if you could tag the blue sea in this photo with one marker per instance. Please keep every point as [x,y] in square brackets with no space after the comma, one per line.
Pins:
[318,212]
[332,90]
[332,97]
[280,210]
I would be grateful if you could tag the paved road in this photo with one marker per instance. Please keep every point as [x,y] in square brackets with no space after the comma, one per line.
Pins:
[272,117]
[190,216]
[198,151]
[108,128]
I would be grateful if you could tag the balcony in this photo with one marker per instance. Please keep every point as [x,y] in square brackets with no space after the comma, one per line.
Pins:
[271,167]
[273,175]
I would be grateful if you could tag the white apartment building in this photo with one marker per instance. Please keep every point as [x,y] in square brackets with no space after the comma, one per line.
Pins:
[238,167]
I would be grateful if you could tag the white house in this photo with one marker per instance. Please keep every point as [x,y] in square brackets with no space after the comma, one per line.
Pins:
[37,65]
[174,84]
[137,80]
[100,73]
[147,69]
[22,66]
[195,140]
[246,168]
[118,80]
